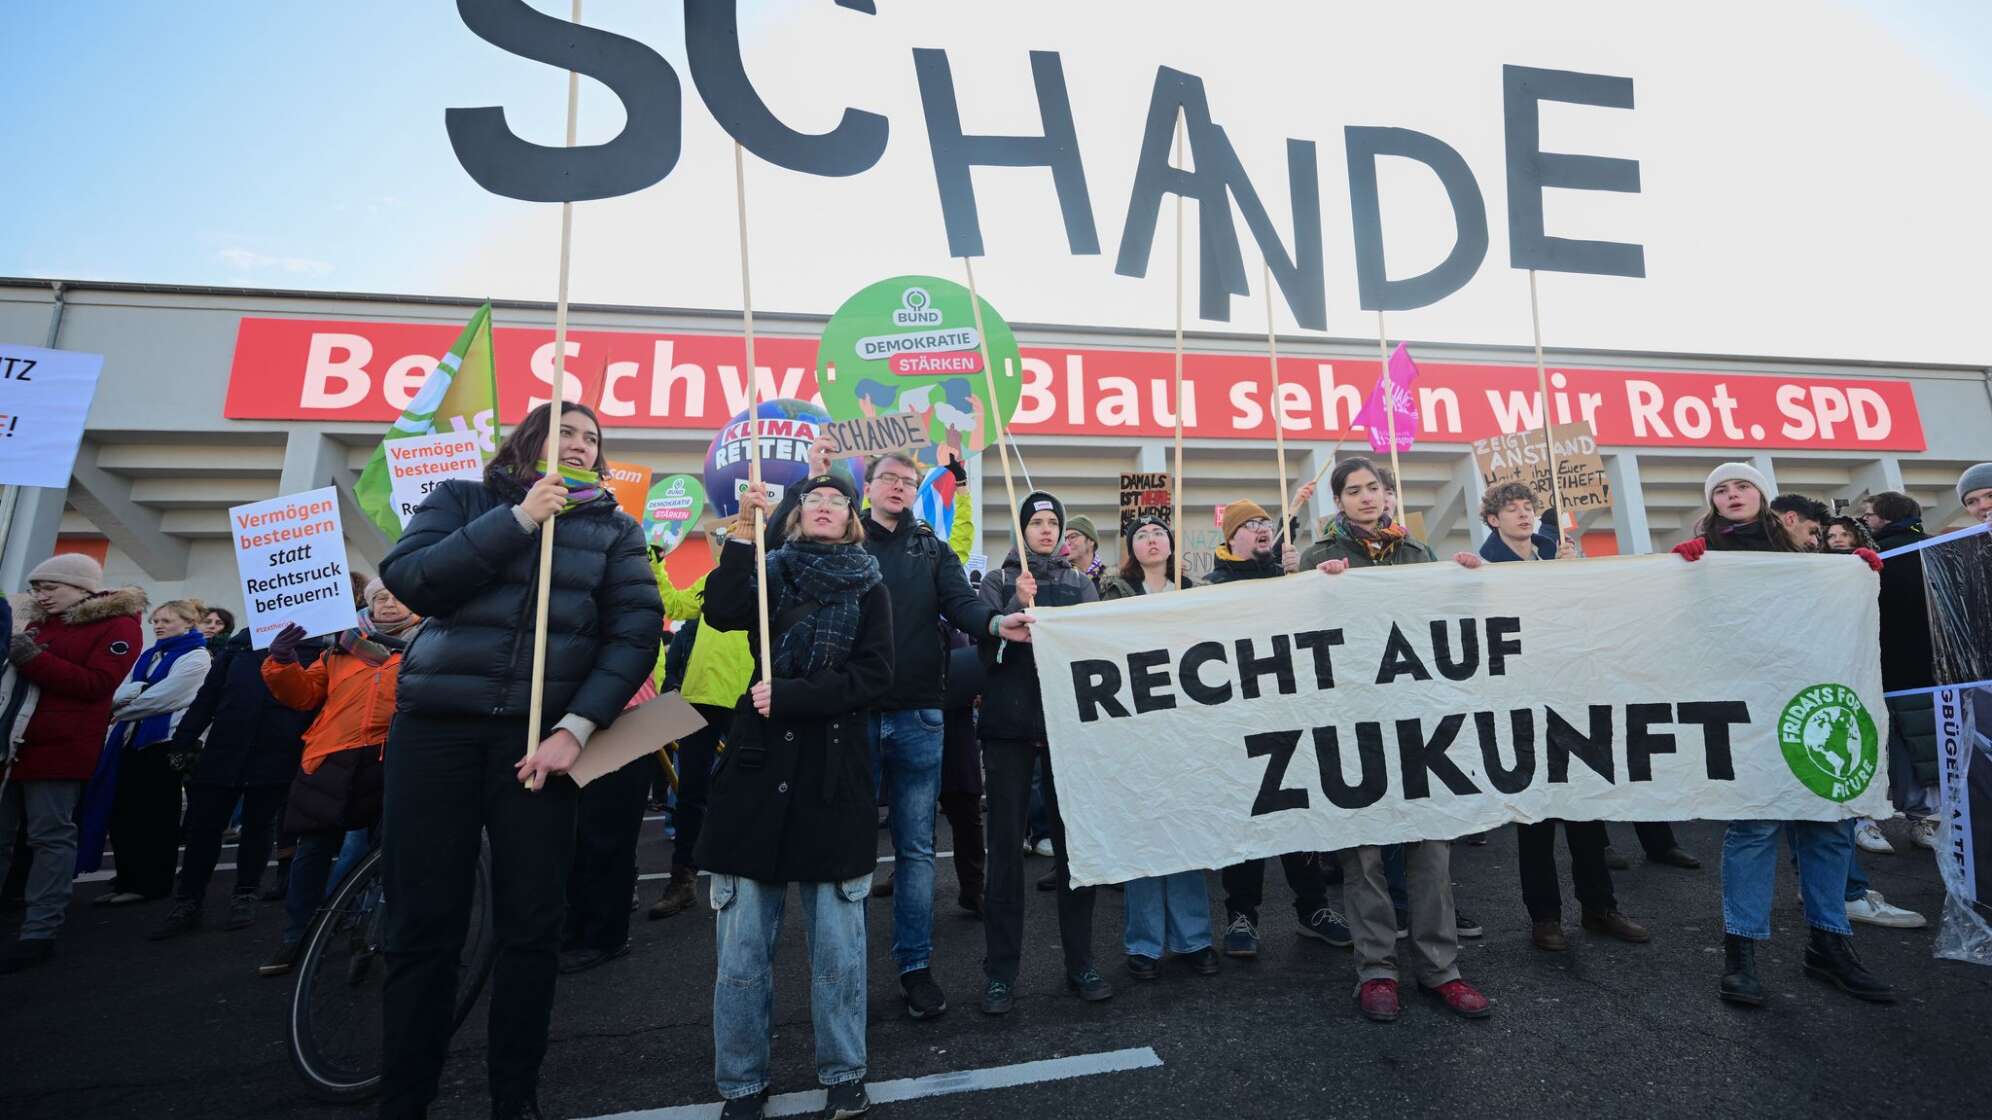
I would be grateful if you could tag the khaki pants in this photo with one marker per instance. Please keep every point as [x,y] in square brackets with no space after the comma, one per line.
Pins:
[1434,937]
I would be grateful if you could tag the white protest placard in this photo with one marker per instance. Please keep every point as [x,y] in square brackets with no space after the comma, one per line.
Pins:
[44,398]
[291,554]
[1315,713]
[416,464]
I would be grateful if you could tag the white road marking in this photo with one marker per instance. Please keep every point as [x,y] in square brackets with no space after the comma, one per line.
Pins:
[934,1085]
[666,874]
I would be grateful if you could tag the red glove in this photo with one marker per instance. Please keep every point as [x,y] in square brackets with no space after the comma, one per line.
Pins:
[1691,549]
[1868,555]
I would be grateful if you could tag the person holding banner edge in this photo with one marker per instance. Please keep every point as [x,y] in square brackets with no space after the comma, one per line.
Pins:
[468,563]
[1739,518]
[1363,535]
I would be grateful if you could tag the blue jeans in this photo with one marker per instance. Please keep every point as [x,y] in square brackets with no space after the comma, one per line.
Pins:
[319,866]
[1750,874]
[1168,912]
[1857,880]
[906,755]
[748,924]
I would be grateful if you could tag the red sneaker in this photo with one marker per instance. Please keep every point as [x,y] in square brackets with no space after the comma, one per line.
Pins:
[1377,1000]
[1464,999]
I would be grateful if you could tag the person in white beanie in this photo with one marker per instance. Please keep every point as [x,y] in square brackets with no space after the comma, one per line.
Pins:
[1974,491]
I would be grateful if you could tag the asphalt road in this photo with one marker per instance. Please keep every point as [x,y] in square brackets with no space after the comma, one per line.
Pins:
[117,1026]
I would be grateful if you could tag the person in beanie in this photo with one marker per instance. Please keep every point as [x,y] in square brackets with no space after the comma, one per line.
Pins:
[1363,535]
[792,801]
[72,644]
[1896,519]
[1082,545]
[1013,741]
[1165,913]
[1250,540]
[469,563]
[1739,518]
[1974,491]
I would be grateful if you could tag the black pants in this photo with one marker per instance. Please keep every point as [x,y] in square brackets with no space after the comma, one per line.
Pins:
[208,809]
[1007,764]
[448,779]
[604,871]
[1245,886]
[964,813]
[1536,849]
[145,822]
[696,755]
[1654,836]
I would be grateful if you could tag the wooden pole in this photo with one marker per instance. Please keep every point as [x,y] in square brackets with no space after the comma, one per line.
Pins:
[1176,506]
[536,704]
[1542,387]
[996,416]
[1390,416]
[753,409]
[1279,425]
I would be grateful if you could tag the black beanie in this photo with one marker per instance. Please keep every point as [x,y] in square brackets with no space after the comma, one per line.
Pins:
[1131,528]
[1036,502]
[835,482]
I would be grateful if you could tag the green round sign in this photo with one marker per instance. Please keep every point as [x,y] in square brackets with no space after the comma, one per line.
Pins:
[1829,741]
[909,344]
[671,510]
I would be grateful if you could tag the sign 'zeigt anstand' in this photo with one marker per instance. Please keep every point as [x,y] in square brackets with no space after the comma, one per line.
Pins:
[291,554]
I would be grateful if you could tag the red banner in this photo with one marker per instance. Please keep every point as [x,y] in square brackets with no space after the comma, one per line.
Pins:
[314,369]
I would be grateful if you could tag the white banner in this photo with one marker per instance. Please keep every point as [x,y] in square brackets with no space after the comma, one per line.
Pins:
[44,398]
[291,554]
[417,463]
[1313,713]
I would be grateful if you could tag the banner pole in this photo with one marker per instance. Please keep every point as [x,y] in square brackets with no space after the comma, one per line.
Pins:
[753,411]
[996,417]
[1390,414]
[1542,387]
[557,404]
[1176,508]
[1279,414]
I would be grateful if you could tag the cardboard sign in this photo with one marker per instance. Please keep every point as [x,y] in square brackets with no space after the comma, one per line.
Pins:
[876,435]
[416,464]
[636,732]
[629,482]
[44,397]
[291,555]
[1521,457]
[1145,493]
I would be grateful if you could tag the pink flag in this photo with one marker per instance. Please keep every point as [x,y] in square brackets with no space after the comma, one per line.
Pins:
[1400,400]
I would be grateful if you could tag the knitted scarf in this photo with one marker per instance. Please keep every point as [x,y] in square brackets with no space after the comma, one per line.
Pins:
[1379,542]
[835,577]
[583,486]
[373,643]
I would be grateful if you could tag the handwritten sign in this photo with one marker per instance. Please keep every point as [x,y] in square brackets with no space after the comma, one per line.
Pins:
[1521,457]
[1142,494]
[291,555]
[417,464]
[876,435]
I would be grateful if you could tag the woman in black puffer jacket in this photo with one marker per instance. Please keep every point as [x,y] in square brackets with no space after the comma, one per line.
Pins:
[469,562]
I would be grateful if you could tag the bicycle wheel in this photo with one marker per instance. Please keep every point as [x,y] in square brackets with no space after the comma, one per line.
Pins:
[335,1024]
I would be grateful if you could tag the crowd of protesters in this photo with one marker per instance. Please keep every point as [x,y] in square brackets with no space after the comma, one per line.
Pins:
[891,679]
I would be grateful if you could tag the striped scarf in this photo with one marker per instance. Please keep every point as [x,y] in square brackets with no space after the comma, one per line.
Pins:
[583,486]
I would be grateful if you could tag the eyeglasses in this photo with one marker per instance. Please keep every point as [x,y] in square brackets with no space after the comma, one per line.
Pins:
[903,482]
[1259,524]
[1152,533]
[817,499]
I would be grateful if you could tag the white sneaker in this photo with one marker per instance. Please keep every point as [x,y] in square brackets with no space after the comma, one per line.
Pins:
[1868,837]
[1044,845]
[1923,833]
[1875,911]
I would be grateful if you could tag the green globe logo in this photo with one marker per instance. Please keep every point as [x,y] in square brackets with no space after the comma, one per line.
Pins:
[1829,741]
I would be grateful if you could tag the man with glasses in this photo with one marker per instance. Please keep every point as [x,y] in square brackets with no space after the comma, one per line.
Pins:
[927,583]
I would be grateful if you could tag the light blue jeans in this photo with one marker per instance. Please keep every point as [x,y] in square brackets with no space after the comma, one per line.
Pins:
[1750,874]
[1168,912]
[748,924]
[906,758]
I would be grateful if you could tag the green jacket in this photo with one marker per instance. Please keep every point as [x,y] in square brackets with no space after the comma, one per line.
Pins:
[721,665]
[1334,546]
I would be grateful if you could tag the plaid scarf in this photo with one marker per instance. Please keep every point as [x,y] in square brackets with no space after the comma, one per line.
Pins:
[372,643]
[1380,542]
[834,576]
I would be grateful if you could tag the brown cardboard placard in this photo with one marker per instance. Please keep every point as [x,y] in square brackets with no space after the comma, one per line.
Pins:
[635,733]
[1521,457]
[876,435]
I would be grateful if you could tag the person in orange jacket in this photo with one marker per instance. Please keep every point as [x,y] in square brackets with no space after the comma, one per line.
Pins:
[338,789]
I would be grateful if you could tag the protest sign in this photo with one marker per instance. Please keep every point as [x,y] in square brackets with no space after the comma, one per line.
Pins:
[788,427]
[630,483]
[636,732]
[1957,583]
[1145,494]
[415,466]
[671,511]
[44,397]
[291,555]
[1317,713]
[876,435]
[1521,457]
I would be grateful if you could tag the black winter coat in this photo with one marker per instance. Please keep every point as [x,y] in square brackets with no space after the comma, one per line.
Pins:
[1223,570]
[925,580]
[252,740]
[792,800]
[465,564]
[1012,706]
[1906,660]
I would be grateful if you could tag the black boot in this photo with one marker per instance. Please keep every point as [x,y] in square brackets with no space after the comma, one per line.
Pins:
[1739,971]
[1830,957]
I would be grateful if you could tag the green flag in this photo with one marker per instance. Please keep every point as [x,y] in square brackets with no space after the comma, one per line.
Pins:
[459,395]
